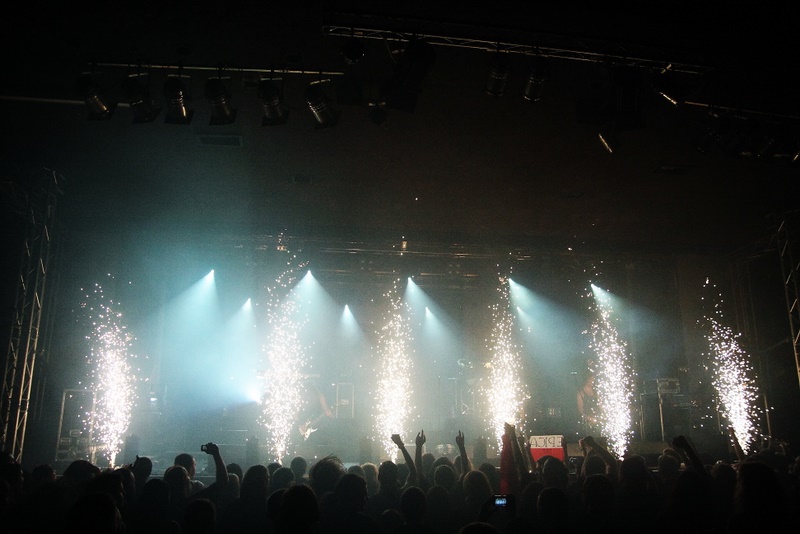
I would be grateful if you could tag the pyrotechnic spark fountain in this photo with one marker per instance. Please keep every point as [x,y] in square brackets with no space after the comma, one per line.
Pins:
[613,377]
[286,362]
[393,395]
[505,394]
[732,376]
[111,379]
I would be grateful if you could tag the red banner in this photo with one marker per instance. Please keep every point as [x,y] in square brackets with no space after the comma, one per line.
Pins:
[547,446]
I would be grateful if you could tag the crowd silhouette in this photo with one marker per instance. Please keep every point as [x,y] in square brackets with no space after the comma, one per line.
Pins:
[425,494]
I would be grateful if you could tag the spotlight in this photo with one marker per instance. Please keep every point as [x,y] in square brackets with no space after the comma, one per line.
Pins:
[176,95]
[275,112]
[498,75]
[219,100]
[537,74]
[350,86]
[89,90]
[401,90]
[144,109]
[666,87]
[320,105]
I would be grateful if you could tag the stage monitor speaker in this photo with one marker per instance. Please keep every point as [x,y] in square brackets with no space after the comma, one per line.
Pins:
[345,401]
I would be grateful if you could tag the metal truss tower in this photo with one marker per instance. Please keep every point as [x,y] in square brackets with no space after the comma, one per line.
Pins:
[33,197]
[788,234]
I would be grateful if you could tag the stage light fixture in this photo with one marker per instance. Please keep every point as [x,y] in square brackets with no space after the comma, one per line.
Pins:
[607,137]
[275,112]
[99,108]
[666,87]
[534,83]
[401,90]
[350,86]
[499,70]
[139,99]
[220,101]
[606,142]
[176,96]
[320,105]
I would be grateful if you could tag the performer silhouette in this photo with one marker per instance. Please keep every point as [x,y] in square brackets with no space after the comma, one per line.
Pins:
[317,410]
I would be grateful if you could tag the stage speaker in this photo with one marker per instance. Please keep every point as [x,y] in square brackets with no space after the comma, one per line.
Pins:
[651,417]
[344,408]
[673,413]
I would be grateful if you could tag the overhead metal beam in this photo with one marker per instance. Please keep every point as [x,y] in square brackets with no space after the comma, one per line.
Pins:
[623,55]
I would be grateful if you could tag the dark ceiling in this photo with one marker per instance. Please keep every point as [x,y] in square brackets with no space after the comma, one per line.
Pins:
[462,167]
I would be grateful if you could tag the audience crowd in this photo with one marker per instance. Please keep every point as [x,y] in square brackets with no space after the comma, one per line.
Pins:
[423,494]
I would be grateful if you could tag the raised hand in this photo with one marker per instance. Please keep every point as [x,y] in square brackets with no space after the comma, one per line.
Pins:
[460,440]
[210,448]
[420,441]
[397,440]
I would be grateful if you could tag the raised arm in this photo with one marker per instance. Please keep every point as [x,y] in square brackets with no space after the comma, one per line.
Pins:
[607,457]
[412,469]
[419,442]
[466,464]
[527,454]
[221,470]
[682,445]
[510,472]
[519,462]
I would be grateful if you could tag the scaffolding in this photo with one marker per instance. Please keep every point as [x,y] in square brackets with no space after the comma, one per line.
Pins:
[788,243]
[33,198]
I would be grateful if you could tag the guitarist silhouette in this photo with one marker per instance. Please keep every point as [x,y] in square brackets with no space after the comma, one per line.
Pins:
[323,412]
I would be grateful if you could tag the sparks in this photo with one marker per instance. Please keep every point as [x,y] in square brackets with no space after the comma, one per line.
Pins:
[283,400]
[614,377]
[732,376]
[393,394]
[505,394]
[111,380]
